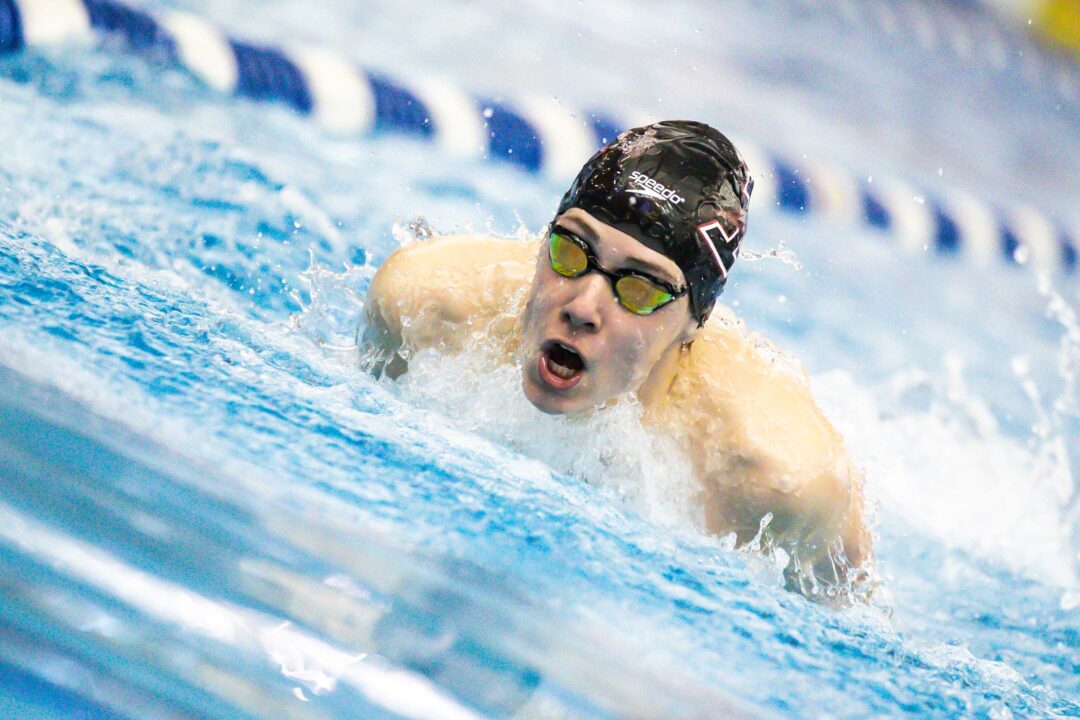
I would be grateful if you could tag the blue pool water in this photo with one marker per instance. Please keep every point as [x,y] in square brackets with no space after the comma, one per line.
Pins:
[208,511]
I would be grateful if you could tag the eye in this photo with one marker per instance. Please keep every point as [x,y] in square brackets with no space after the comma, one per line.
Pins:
[567,257]
[640,296]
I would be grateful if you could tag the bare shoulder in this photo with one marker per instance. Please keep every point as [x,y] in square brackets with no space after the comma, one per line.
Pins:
[762,396]
[451,268]
[762,442]
[425,291]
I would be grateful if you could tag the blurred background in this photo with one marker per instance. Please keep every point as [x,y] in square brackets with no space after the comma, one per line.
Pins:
[1055,22]
[208,511]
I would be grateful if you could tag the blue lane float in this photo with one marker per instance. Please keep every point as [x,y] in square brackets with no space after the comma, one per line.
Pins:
[536,136]
[10,27]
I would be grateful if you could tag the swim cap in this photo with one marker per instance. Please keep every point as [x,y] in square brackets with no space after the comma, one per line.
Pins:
[679,188]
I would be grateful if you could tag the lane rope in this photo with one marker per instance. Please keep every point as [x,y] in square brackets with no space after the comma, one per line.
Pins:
[535,134]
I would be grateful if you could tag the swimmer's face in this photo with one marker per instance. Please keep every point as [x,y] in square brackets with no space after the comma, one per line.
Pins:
[580,346]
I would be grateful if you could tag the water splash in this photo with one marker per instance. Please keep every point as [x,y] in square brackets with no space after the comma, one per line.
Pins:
[478,392]
[781,252]
[335,301]
[935,455]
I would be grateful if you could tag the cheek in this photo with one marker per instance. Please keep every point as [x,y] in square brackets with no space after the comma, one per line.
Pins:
[629,355]
[537,303]
[641,348]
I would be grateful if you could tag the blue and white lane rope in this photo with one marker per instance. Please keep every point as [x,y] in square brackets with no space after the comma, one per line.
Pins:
[531,133]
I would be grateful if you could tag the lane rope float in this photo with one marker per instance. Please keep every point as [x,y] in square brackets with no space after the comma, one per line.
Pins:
[534,134]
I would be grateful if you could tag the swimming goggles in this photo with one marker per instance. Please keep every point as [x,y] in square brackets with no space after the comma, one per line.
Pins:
[572,257]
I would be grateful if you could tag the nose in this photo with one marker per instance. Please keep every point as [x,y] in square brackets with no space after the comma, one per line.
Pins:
[585,309]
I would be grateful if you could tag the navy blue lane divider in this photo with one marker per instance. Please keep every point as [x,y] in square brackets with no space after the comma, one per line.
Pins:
[874,212]
[10,27]
[266,74]
[947,236]
[397,108]
[1070,258]
[793,193]
[606,129]
[512,138]
[139,30]
[537,137]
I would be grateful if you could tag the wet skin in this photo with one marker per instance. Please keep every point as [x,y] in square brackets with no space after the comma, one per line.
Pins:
[620,350]
[757,439]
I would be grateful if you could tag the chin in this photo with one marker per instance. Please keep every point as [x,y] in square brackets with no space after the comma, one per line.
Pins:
[545,400]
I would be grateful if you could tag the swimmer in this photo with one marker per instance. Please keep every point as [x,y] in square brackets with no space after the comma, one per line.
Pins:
[619,299]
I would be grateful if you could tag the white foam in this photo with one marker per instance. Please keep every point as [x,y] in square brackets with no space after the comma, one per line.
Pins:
[609,449]
[948,470]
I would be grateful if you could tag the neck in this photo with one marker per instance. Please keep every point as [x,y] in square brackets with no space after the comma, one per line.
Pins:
[658,382]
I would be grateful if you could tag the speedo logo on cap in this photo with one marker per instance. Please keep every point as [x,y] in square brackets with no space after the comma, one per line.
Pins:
[650,188]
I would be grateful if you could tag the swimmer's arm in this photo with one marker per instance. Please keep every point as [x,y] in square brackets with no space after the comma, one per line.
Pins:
[427,292]
[782,456]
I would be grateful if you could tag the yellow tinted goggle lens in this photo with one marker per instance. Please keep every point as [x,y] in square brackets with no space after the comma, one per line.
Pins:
[567,257]
[640,296]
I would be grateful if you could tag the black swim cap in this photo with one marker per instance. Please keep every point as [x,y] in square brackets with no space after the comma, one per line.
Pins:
[677,187]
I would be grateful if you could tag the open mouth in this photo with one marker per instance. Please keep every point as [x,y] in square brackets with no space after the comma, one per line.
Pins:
[560,366]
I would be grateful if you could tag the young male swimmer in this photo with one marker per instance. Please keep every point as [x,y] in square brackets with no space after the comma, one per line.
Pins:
[616,302]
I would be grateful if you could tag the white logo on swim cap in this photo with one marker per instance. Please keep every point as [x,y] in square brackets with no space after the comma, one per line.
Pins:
[710,232]
[650,188]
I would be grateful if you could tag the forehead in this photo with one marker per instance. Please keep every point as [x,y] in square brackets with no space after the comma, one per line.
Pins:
[615,248]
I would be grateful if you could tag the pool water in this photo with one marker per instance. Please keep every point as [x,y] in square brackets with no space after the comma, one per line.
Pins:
[209,511]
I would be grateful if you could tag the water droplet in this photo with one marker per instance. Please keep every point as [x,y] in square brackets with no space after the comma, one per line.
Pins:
[488,112]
